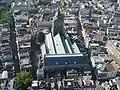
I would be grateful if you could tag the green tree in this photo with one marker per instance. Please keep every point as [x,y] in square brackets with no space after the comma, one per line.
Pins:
[5,17]
[23,80]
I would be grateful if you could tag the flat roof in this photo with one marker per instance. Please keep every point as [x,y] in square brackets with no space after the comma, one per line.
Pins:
[59,45]
[25,46]
[25,60]
[4,75]
[68,46]
[75,48]
[49,43]
[97,58]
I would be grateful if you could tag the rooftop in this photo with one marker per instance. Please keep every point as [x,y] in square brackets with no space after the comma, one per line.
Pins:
[75,48]
[49,44]
[115,65]
[59,45]
[65,60]
[109,67]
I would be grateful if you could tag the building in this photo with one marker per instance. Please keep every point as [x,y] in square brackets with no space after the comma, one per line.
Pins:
[101,63]
[5,4]
[118,1]
[23,40]
[105,72]
[22,6]
[116,65]
[70,24]
[113,32]
[81,84]
[63,53]
[6,57]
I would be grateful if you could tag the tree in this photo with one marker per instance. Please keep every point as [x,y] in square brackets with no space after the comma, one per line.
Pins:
[5,17]
[23,80]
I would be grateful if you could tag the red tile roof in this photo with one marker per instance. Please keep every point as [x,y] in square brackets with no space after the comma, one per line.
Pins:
[115,65]
[118,62]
